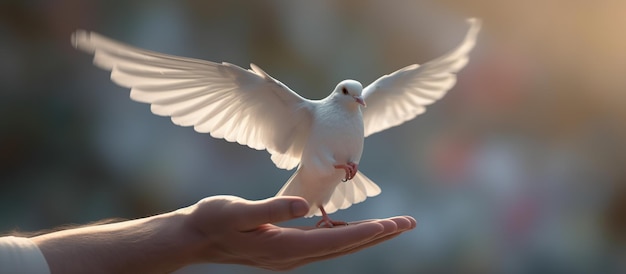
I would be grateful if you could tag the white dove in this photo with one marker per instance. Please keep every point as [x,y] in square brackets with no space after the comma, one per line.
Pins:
[323,138]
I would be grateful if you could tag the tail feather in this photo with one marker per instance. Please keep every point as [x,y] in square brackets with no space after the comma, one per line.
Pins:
[293,187]
[290,188]
[343,196]
[349,193]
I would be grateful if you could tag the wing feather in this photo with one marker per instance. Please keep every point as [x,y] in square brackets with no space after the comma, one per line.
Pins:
[402,95]
[244,106]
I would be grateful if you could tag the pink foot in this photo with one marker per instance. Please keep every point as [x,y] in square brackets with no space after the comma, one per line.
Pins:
[351,168]
[327,222]
[355,168]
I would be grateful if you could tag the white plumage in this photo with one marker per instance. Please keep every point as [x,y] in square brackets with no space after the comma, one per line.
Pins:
[249,107]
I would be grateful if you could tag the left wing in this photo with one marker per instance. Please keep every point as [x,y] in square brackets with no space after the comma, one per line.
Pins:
[402,95]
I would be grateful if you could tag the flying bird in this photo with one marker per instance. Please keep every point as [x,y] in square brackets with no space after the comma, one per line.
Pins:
[322,138]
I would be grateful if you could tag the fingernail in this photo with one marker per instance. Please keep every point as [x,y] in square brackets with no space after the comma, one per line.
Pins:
[299,208]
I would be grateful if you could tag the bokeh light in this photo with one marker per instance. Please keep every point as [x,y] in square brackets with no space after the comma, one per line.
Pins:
[519,169]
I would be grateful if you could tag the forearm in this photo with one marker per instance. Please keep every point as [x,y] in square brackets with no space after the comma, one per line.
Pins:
[157,244]
[218,229]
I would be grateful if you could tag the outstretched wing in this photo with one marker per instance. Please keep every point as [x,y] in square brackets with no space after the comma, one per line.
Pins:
[402,95]
[244,106]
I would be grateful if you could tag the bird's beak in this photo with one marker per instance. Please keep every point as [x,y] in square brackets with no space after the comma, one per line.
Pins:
[359,100]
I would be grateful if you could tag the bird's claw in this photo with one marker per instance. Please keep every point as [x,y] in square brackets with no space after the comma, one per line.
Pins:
[327,222]
[330,223]
[351,170]
[354,169]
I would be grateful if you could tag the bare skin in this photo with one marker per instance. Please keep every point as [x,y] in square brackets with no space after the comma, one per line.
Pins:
[326,221]
[219,229]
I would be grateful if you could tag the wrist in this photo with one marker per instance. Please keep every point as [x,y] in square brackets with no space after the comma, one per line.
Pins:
[179,244]
[197,246]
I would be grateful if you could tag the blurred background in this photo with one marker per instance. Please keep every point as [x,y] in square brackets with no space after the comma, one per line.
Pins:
[519,169]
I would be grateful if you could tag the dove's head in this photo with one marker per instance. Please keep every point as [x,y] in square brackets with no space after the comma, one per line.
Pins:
[349,93]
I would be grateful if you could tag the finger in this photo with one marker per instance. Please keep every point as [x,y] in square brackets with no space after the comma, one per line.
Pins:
[322,241]
[400,220]
[339,253]
[404,223]
[248,215]
[412,221]
[372,242]
[354,249]
[391,228]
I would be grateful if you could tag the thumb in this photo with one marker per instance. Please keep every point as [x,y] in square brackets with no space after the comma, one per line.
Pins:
[252,214]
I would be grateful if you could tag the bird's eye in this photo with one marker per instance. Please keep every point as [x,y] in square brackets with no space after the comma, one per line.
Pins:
[344,90]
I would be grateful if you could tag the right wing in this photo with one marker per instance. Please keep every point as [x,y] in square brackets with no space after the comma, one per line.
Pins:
[244,106]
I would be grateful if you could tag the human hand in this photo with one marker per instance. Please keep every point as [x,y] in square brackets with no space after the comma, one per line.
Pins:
[237,231]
